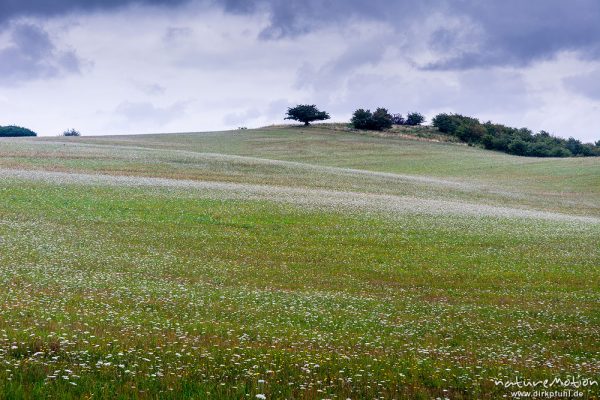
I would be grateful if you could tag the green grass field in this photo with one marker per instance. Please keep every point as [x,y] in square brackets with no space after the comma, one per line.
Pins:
[298,263]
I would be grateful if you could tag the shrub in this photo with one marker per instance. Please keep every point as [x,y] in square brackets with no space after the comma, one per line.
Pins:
[517,147]
[542,135]
[398,119]
[524,134]
[501,143]
[453,123]
[488,141]
[588,150]
[472,133]
[361,119]
[381,119]
[15,131]
[445,123]
[71,132]
[538,149]
[306,113]
[574,146]
[414,119]
[377,121]
[560,152]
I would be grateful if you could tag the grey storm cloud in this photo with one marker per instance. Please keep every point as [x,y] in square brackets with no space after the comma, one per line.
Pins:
[43,8]
[510,32]
[32,55]
[296,17]
[516,32]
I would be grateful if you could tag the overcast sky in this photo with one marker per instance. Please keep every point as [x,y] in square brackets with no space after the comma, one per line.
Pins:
[117,66]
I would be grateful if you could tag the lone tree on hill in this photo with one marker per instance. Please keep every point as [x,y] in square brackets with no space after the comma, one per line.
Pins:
[306,113]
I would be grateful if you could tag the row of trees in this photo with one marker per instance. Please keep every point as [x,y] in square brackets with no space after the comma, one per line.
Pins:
[376,121]
[15,131]
[522,142]
[412,119]
[361,119]
[381,119]
[517,141]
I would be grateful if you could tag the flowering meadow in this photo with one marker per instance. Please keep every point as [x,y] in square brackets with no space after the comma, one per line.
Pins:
[124,274]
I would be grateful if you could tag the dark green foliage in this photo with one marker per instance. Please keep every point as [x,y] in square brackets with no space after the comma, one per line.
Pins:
[517,147]
[598,143]
[15,131]
[414,119]
[473,133]
[521,142]
[398,119]
[361,118]
[71,132]
[582,149]
[574,145]
[488,141]
[377,121]
[306,113]
[446,123]
[382,119]
[466,129]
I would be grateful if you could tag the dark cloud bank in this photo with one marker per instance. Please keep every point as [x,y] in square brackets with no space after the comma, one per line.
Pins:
[512,32]
[10,9]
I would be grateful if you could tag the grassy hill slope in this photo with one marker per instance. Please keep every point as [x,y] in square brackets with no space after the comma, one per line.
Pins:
[292,263]
[566,185]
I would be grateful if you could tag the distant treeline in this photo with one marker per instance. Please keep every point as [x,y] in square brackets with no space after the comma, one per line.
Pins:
[517,141]
[15,131]
[381,119]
